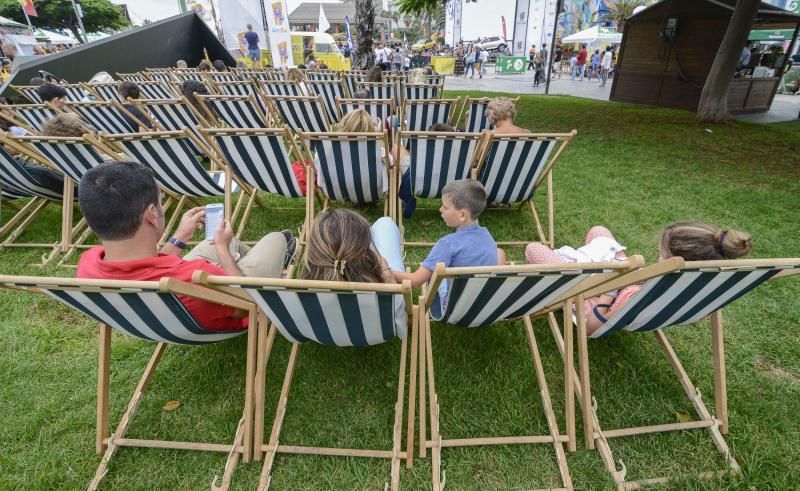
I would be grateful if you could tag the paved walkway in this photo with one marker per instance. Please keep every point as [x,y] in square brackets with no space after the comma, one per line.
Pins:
[784,107]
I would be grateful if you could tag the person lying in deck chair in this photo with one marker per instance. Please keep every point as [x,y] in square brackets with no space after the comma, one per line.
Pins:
[121,204]
[693,241]
[470,245]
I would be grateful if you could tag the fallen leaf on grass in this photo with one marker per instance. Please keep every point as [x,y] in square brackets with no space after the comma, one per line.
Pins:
[172,405]
[683,416]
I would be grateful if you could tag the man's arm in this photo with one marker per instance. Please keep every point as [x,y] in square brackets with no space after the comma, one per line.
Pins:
[190,221]
[222,243]
[417,278]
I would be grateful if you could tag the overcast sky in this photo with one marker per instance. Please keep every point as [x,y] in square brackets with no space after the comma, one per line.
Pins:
[159,9]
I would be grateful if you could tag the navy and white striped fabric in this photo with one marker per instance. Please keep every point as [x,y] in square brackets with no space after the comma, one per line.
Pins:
[318,76]
[380,90]
[476,300]
[350,169]
[173,115]
[174,163]
[236,88]
[420,91]
[29,92]
[279,75]
[439,159]
[419,115]
[686,296]
[332,318]
[476,116]
[147,314]
[260,160]
[74,157]
[281,88]
[513,166]
[224,77]
[75,92]
[351,81]
[155,90]
[132,77]
[329,91]
[435,79]
[107,92]
[18,182]
[161,76]
[302,113]
[380,109]
[12,194]
[183,76]
[102,115]
[235,111]
[34,114]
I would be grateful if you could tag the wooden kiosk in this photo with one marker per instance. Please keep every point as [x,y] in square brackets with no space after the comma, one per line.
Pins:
[667,51]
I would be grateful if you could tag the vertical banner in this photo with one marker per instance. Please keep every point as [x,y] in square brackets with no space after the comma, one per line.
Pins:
[449,9]
[350,45]
[280,39]
[28,8]
[457,22]
[521,18]
[234,15]
[503,20]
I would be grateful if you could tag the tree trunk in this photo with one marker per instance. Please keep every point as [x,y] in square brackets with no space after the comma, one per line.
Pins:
[365,22]
[713,106]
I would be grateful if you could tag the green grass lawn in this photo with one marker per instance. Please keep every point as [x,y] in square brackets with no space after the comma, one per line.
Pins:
[630,168]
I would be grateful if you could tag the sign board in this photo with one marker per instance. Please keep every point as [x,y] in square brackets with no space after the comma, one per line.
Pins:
[511,64]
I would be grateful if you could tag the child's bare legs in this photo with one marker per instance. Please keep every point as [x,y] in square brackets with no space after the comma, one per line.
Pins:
[538,253]
[501,257]
[600,231]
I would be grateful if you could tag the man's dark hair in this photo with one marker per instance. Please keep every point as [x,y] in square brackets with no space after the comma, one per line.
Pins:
[113,197]
[48,92]
[128,89]
[36,81]
[220,66]
[203,66]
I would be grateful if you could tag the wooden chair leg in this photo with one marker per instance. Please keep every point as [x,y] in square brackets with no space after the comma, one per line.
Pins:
[397,434]
[103,397]
[720,383]
[424,325]
[583,361]
[538,223]
[436,438]
[550,211]
[266,340]
[412,387]
[569,381]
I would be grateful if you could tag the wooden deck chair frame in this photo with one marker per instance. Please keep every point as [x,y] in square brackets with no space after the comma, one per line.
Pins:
[107,92]
[465,109]
[717,424]
[327,90]
[8,112]
[107,444]
[566,280]
[178,124]
[133,77]
[390,197]
[273,446]
[405,110]
[113,113]
[438,90]
[561,141]
[274,100]
[283,84]
[68,243]
[369,103]
[351,80]
[213,114]
[292,151]
[29,92]
[392,85]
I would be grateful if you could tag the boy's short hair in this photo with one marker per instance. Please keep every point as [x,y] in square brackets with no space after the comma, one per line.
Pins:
[48,92]
[64,124]
[128,89]
[36,81]
[113,197]
[441,127]
[220,66]
[182,64]
[466,194]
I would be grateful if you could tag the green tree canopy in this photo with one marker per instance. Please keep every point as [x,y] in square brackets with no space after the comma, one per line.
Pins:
[97,15]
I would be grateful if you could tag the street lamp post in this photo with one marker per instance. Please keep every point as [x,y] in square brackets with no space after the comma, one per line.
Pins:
[182,5]
[549,71]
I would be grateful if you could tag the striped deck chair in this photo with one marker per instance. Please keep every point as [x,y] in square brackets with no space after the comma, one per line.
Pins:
[435,79]
[478,297]
[164,76]
[351,167]
[352,79]
[419,115]
[380,109]
[173,115]
[150,311]
[381,90]
[101,116]
[329,91]
[174,163]
[237,87]
[315,76]
[235,111]
[75,92]
[105,92]
[275,74]
[29,92]
[332,314]
[31,115]
[16,182]
[74,157]
[673,293]
[280,87]
[301,113]
[182,75]
[475,109]
[156,89]
[224,77]
[422,91]
[132,77]
[512,167]
[262,158]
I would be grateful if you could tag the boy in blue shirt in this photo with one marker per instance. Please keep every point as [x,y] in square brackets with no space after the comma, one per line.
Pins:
[470,245]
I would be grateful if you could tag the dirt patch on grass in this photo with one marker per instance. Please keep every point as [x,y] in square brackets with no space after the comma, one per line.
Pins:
[777,371]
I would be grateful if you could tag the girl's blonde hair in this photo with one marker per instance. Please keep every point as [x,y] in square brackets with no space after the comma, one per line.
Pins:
[501,109]
[418,76]
[295,75]
[700,241]
[340,249]
[356,121]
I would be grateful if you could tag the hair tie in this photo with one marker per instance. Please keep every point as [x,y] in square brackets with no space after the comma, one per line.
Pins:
[338,266]
[721,240]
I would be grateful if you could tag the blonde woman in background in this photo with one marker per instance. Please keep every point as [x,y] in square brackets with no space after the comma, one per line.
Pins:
[501,112]
[296,75]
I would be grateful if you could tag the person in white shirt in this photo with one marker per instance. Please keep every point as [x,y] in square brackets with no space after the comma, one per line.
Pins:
[608,58]
[744,59]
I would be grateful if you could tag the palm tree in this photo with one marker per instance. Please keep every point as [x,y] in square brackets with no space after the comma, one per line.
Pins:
[365,23]
[618,11]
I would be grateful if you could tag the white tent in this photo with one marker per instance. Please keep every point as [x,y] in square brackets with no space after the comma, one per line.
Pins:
[5,21]
[593,35]
[56,38]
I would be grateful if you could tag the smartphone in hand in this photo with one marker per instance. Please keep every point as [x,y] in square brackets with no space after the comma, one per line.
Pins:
[215,213]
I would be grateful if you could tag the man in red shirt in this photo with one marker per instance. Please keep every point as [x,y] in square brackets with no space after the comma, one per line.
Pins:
[121,203]
[579,66]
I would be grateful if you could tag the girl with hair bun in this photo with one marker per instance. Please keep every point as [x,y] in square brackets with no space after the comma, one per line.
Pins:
[693,241]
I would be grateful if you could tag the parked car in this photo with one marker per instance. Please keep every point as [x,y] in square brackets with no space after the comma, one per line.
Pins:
[492,43]
[423,44]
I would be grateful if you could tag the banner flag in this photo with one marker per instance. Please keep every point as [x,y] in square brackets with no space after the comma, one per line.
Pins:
[349,37]
[29,8]
[280,40]
[324,25]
